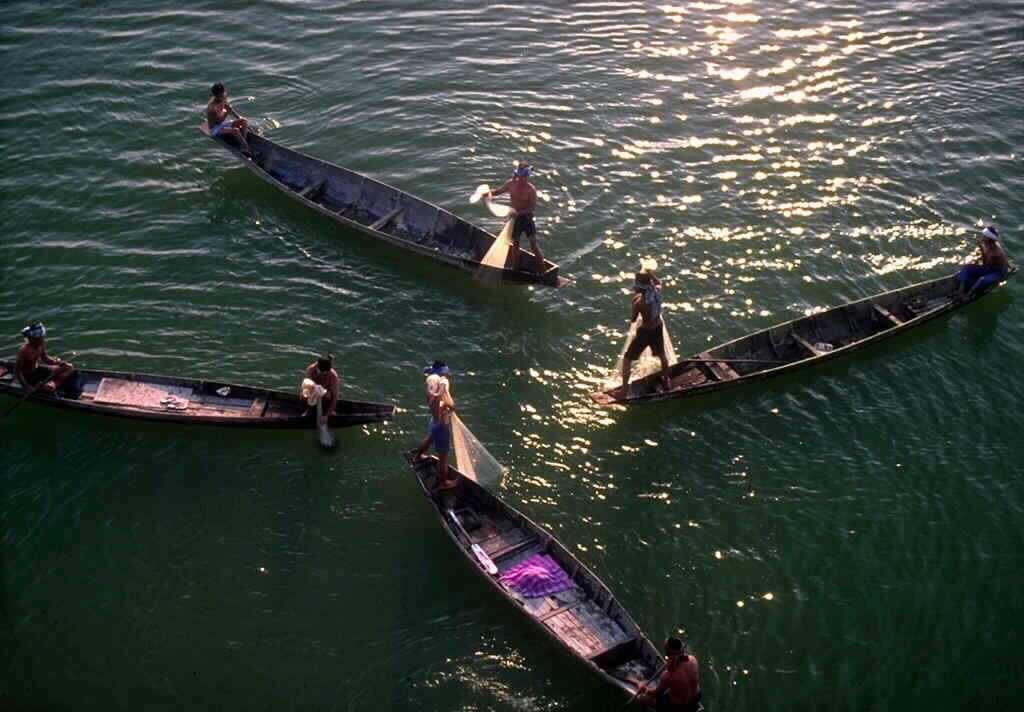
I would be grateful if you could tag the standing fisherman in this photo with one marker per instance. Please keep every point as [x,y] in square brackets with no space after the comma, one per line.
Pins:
[442,405]
[651,332]
[523,197]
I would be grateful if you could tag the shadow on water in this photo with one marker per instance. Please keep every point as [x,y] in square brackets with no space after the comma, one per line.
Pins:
[983,319]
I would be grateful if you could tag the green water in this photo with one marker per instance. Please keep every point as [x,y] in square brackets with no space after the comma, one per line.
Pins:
[847,538]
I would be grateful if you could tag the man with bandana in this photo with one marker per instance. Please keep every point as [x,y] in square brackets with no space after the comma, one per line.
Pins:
[34,368]
[651,332]
[442,405]
[989,269]
[523,198]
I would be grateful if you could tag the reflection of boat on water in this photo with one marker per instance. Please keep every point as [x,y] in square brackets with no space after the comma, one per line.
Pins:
[584,617]
[186,400]
[795,344]
[382,211]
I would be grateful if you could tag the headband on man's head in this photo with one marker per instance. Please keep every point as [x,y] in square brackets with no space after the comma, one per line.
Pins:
[522,170]
[34,331]
[990,232]
[439,368]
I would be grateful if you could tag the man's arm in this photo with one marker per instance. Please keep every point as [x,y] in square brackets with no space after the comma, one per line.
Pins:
[231,110]
[21,369]
[636,310]
[502,189]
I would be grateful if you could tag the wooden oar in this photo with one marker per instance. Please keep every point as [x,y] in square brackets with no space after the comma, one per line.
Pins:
[642,687]
[478,552]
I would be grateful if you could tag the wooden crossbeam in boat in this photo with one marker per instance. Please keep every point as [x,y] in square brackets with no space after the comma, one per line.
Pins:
[512,548]
[386,219]
[722,371]
[258,407]
[312,188]
[806,344]
[887,314]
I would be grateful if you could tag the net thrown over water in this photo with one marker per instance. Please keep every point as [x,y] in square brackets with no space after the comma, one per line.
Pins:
[472,457]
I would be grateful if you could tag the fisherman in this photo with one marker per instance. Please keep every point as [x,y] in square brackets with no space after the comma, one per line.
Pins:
[989,269]
[523,197]
[34,368]
[217,118]
[321,372]
[678,688]
[442,405]
[651,332]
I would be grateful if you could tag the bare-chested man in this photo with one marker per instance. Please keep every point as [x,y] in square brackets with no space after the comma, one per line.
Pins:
[989,269]
[442,405]
[217,118]
[651,332]
[678,689]
[34,368]
[523,197]
[322,373]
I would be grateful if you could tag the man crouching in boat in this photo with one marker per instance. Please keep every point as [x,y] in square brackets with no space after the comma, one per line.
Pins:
[991,268]
[34,368]
[651,332]
[442,405]
[321,372]
[221,125]
[678,688]
[523,198]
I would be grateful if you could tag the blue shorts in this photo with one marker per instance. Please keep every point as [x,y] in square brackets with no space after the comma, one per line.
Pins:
[441,437]
[977,278]
[225,124]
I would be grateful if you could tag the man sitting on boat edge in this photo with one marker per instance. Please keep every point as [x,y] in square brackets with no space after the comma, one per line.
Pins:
[987,270]
[34,368]
[678,688]
[523,197]
[221,125]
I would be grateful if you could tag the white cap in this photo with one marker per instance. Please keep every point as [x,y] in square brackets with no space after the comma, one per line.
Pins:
[991,233]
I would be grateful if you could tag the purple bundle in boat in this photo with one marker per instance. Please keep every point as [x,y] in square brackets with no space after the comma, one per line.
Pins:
[539,575]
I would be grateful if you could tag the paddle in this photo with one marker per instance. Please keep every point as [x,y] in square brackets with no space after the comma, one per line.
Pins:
[30,392]
[478,552]
[643,687]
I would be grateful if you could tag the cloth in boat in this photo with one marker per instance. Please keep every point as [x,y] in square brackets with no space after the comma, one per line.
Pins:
[979,277]
[312,392]
[540,575]
[647,338]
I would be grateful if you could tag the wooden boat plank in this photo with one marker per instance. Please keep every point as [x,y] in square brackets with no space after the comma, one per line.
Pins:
[587,629]
[806,344]
[722,371]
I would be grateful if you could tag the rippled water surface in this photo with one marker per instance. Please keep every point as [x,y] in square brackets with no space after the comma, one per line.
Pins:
[847,538]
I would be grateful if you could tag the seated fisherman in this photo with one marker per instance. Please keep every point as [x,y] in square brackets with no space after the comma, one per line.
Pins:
[221,124]
[989,269]
[36,369]
[322,373]
[678,688]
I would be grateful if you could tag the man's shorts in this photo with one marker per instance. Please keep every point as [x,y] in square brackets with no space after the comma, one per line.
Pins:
[441,437]
[647,338]
[523,223]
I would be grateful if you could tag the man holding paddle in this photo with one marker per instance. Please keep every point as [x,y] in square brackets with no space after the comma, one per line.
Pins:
[523,197]
[678,688]
[34,368]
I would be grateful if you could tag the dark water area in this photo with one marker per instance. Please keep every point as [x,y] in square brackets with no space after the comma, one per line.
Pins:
[844,538]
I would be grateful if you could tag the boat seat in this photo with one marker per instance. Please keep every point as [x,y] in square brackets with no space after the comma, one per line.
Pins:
[312,189]
[722,370]
[386,219]
[510,549]
[806,344]
[886,314]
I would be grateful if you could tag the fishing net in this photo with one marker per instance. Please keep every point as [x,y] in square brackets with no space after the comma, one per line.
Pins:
[647,363]
[472,458]
[498,210]
[496,257]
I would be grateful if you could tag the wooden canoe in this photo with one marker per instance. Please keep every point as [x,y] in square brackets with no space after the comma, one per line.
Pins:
[586,620]
[185,400]
[802,342]
[382,211]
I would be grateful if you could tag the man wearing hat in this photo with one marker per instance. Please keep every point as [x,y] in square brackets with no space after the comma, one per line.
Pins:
[651,332]
[442,405]
[678,688]
[36,369]
[989,270]
[523,197]
[322,373]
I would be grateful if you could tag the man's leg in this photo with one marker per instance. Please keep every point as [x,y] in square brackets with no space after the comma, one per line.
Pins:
[536,251]
[985,282]
[665,383]
[61,373]
[627,366]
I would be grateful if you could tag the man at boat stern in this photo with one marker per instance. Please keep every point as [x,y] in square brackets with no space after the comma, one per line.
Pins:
[678,688]
[439,434]
[651,332]
[989,269]
[218,118]
[523,198]
[322,373]
[36,369]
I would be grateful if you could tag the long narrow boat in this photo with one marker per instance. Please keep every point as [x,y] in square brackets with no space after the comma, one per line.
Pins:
[585,619]
[795,344]
[186,400]
[382,211]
